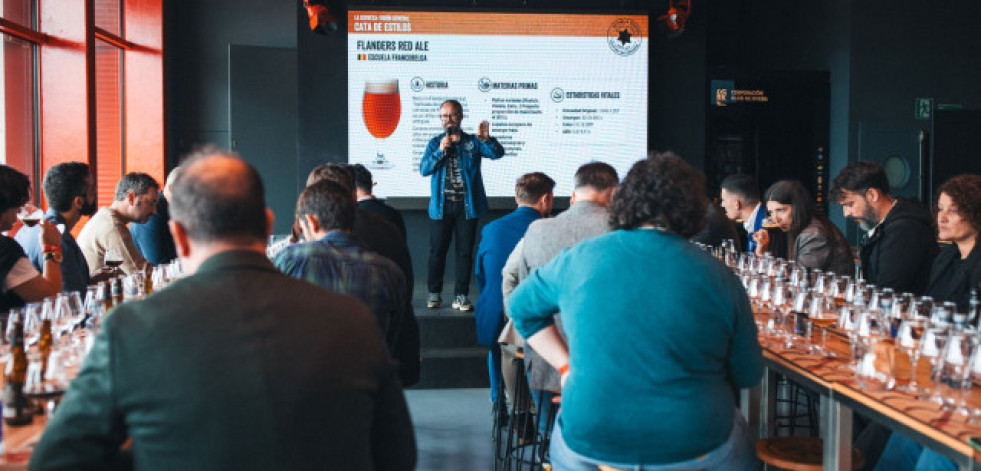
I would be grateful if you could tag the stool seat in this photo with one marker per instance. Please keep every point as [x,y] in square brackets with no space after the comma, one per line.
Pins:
[798,453]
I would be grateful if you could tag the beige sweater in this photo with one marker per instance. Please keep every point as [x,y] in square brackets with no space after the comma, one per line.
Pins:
[107,229]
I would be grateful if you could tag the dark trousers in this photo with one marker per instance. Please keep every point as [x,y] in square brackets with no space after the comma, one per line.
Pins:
[454,222]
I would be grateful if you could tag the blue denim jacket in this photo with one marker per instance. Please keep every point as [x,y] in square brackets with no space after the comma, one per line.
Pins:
[470,150]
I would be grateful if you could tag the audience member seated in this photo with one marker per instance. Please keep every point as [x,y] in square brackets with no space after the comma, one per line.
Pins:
[816,242]
[900,243]
[70,192]
[956,270]
[593,186]
[21,282]
[533,194]
[136,201]
[153,238]
[660,333]
[717,228]
[334,258]
[379,235]
[367,201]
[235,366]
[740,198]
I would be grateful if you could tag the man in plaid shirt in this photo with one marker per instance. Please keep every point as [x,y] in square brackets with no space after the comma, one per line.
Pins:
[333,258]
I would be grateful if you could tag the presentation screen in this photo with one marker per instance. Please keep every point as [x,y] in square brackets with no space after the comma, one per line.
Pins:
[558,90]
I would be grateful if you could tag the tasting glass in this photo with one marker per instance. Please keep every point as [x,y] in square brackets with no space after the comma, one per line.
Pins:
[908,341]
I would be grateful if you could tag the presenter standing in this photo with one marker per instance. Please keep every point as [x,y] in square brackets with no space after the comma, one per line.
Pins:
[452,161]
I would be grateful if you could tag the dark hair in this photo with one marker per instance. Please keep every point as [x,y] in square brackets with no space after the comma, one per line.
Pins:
[743,186]
[456,105]
[362,178]
[858,177]
[15,188]
[214,199]
[803,209]
[596,175]
[63,182]
[337,173]
[137,182]
[662,190]
[329,202]
[965,191]
[531,186]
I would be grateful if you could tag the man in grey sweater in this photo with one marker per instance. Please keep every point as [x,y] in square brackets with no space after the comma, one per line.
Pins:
[587,217]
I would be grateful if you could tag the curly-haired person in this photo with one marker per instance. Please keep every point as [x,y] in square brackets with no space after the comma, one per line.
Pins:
[660,333]
[956,271]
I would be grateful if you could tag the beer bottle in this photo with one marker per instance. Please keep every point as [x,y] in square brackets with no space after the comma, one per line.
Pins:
[44,343]
[105,296]
[116,289]
[17,409]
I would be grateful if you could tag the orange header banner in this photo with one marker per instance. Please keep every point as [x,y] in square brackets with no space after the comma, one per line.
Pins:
[497,24]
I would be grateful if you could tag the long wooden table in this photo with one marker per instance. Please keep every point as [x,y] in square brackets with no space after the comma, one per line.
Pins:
[919,419]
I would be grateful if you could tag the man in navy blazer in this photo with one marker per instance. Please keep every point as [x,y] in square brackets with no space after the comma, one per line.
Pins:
[740,197]
[533,193]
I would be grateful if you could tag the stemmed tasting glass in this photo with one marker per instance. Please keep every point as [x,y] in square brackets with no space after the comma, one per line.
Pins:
[973,374]
[823,312]
[381,109]
[875,364]
[113,257]
[951,368]
[932,345]
[782,299]
[908,340]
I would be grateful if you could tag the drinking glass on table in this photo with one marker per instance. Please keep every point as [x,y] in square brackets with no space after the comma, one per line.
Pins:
[875,367]
[823,311]
[908,341]
[932,346]
[951,369]
[973,374]
[782,300]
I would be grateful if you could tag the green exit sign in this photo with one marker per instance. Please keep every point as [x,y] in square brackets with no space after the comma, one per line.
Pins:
[924,108]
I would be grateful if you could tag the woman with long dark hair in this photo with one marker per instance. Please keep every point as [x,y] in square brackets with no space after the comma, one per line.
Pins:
[813,241]
[19,280]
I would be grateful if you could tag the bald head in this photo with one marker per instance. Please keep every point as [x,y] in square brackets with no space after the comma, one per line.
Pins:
[219,197]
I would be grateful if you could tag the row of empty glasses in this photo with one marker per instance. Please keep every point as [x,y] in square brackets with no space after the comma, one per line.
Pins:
[892,335]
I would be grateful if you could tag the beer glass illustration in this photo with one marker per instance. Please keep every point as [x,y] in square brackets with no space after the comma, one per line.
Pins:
[381,109]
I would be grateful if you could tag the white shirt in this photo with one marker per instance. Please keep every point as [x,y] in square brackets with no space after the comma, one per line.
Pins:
[20,273]
[751,220]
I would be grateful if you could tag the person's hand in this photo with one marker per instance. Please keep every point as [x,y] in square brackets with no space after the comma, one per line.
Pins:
[762,238]
[104,273]
[49,233]
[448,140]
[483,130]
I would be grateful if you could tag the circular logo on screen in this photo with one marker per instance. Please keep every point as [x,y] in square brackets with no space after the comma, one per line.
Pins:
[484,84]
[624,37]
[557,94]
[417,84]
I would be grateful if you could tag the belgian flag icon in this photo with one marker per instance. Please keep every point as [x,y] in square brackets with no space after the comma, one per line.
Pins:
[362,57]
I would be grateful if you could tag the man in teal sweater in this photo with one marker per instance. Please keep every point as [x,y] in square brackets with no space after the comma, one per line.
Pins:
[660,333]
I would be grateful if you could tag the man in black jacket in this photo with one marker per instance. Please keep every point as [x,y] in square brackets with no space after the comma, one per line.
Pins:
[368,202]
[900,240]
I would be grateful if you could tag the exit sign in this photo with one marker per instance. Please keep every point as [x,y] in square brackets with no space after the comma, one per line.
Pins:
[924,108]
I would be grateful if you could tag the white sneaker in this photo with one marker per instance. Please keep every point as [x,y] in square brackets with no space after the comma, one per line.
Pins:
[434,301]
[461,303]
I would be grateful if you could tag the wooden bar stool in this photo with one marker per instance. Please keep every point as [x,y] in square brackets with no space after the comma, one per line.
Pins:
[798,453]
